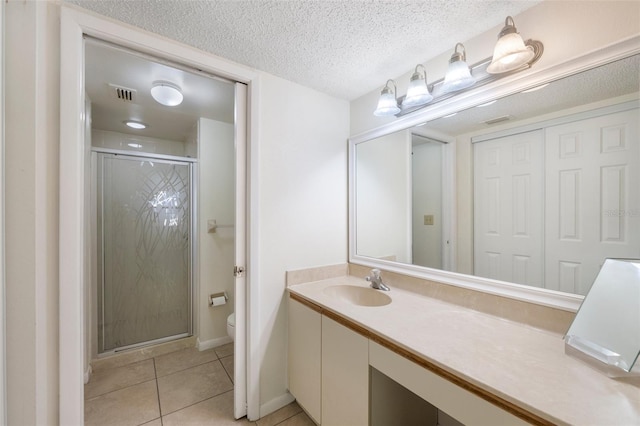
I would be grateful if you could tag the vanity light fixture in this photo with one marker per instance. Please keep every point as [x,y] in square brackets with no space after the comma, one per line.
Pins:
[506,60]
[458,75]
[387,104]
[135,124]
[166,93]
[418,91]
[510,52]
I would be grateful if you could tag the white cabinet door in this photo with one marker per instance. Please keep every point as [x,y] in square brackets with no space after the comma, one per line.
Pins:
[304,357]
[593,171]
[508,185]
[345,375]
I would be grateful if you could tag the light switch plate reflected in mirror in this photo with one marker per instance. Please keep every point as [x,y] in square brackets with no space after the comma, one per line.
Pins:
[606,329]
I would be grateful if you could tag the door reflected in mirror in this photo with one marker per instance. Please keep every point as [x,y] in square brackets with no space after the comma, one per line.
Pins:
[547,178]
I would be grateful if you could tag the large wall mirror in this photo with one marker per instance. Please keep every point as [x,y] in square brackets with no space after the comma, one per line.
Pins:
[522,195]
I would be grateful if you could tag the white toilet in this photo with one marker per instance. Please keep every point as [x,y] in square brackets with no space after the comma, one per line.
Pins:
[231,326]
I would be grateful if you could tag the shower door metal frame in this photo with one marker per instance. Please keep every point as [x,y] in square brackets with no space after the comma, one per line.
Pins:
[192,163]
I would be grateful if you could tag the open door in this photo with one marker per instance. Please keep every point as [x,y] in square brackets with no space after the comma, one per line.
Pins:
[240,308]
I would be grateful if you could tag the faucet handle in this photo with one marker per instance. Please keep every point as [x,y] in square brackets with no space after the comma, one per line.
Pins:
[374,276]
[376,280]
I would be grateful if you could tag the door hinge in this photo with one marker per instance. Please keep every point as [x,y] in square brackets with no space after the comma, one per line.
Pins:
[238,271]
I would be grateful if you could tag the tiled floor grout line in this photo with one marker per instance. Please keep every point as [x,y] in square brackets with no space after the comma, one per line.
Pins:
[284,420]
[116,390]
[225,369]
[192,366]
[155,374]
[197,402]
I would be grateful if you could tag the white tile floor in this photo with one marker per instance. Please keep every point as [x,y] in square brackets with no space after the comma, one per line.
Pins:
[185,387]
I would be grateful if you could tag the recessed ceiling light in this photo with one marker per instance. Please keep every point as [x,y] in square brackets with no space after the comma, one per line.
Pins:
[166,93]
[487,103]
[135,125]
[533,89]
[134,145]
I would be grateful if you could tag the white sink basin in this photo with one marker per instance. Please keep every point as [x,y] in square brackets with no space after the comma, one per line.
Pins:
[361,296]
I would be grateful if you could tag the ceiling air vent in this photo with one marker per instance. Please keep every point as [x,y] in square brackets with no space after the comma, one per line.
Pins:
[122,93]
[499,119]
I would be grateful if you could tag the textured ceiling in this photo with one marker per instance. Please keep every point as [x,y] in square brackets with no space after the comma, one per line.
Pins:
[343,48]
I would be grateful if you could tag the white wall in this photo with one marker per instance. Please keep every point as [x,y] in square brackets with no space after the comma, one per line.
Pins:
[216,200]
[31,160]
[3,395]
[303,206]
[383,178]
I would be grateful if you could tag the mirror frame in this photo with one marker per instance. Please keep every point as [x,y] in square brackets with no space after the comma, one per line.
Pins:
[503,87]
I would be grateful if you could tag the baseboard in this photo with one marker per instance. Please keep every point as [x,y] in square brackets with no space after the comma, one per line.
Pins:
[213,343]
[87,375]
[276,404]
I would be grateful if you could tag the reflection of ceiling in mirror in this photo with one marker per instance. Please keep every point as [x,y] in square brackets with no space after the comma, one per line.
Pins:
[608,81]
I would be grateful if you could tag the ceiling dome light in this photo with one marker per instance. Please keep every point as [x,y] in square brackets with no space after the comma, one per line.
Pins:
[387,104]
[166,93]
[135,125]
[510,52]
[458,75]
[418,91]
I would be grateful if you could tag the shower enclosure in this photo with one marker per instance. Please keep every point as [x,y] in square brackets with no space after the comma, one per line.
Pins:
[144,250]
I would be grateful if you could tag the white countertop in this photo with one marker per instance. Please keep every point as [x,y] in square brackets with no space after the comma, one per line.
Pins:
[523,365]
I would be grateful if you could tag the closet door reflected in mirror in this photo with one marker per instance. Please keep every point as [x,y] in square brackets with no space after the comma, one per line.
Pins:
[550,205]
[508,206]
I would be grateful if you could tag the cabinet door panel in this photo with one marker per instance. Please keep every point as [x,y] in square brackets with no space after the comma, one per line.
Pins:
[345,375]
[304,357]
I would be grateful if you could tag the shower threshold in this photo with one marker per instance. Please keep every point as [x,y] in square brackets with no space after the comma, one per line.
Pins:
[142,345]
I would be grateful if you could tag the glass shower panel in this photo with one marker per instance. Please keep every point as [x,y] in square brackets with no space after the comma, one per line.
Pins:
[144,226]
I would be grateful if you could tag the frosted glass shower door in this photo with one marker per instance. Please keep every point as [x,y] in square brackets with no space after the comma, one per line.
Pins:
[144,250]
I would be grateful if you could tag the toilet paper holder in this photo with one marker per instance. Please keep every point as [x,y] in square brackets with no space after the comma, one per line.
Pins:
[218,299]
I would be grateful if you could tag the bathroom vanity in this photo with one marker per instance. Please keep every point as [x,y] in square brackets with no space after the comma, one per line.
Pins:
[349,343]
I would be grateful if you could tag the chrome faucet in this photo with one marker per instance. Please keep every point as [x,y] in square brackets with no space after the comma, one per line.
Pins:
[376,280]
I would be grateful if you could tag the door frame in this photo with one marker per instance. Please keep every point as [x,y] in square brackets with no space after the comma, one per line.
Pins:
[3,395]
[74,23]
